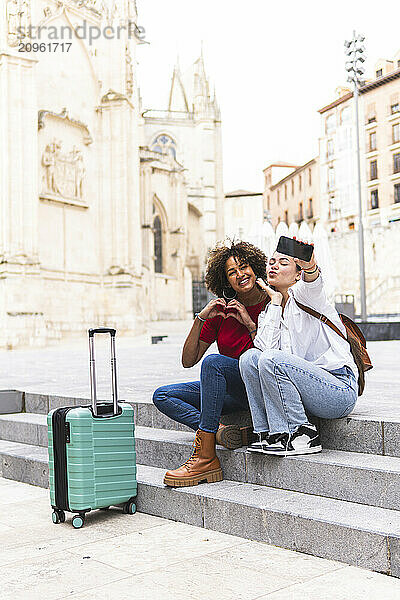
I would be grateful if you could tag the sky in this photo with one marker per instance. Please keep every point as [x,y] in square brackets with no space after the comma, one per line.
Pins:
[273,64]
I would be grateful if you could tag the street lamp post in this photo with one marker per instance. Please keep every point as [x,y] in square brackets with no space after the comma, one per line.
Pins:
[354,52]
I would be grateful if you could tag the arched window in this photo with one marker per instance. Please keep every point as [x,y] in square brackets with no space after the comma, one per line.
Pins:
[157,245]
[346,114]
[330,124]
[164,144]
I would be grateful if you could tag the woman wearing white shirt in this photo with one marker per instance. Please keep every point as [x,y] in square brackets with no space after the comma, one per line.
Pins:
[299,365]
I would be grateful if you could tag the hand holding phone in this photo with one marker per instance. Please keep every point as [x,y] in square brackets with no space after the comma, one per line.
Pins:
[294,248]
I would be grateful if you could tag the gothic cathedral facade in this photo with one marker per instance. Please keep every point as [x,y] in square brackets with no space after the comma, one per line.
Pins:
[107,210]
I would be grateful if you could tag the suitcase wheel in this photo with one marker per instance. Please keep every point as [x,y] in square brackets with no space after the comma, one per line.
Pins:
[130,508]
[78,521]
[58,516]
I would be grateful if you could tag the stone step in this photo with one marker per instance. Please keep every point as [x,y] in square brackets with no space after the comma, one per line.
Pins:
[364,478]
[359,535]
[352,434]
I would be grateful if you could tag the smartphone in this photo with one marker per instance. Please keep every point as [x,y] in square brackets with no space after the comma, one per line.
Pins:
[294,248]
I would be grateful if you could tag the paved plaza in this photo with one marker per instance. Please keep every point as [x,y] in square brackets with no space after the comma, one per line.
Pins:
[119,556]
[63,369]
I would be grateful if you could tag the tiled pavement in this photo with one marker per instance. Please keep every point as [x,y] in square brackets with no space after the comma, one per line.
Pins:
[118,557]
[63,369]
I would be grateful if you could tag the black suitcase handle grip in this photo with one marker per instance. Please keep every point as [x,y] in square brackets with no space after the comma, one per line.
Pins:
[109,330]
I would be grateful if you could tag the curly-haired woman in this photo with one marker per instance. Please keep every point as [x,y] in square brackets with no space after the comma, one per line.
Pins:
[231,321]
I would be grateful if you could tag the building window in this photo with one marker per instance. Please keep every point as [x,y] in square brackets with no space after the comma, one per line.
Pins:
[300,183]
[352,225]
[292,187]
[345,116]
[285,191]
[330,123]
[373,169]
[374,199]
[379,73]
[300,211]
[331,208]
[309,177]
[372,141]
[164,144]
[329,149]
[396,133]
[268,203]
[396,162]
[310,213]
[157,245]
[331,178]
[286,217]
[397,192]
[395,108]
[277,196]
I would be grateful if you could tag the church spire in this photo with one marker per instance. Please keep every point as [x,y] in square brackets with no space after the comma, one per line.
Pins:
[202,103]
[177,95]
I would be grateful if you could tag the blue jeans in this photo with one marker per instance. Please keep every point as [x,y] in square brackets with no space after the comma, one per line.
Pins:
[199,404]
[283,388]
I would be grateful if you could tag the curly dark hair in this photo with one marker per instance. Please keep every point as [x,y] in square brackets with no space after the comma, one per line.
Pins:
[216,279]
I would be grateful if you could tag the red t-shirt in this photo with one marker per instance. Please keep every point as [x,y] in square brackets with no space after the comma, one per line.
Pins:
[231,336]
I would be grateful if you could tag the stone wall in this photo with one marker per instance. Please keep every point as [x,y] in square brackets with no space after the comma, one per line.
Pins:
[382,266]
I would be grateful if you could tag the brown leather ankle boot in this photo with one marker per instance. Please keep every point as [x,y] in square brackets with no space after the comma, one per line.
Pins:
[234,436]
[203,465]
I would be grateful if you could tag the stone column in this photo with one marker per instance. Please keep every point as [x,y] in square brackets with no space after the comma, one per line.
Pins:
[119,208]
[18,161]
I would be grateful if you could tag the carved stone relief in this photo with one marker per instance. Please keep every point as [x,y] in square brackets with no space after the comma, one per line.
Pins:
[18,20]
[64,115]
[63,173]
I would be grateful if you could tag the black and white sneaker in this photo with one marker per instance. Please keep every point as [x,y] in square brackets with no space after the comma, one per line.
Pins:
[261,443]
[305,440]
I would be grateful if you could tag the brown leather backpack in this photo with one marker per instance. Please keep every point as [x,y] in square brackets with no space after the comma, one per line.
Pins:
[358,345]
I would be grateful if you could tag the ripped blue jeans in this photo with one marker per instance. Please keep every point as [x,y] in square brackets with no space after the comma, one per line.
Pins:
[282,388]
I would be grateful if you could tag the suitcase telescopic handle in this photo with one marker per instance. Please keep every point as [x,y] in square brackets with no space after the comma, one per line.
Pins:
[109,330]
[93,390]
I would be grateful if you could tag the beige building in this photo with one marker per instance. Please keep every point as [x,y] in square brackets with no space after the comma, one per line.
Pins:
[380,152]
[291,193]
[244,215]
[103,211]
[379,123]
[381,103]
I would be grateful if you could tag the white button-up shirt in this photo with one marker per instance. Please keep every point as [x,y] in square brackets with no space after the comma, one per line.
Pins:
[296,332]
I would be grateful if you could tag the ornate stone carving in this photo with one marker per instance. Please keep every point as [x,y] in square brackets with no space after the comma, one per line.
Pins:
[112,96]
[64,173]
[18,20]
[129,72]
[97,6]
[64,115]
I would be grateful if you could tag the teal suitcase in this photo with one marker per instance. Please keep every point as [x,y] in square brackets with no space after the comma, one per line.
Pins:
[92,457]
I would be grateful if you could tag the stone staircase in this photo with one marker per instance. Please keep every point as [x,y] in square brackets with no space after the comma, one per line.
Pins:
[342,504]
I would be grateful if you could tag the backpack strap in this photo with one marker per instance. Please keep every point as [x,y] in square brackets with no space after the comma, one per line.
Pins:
[321,317]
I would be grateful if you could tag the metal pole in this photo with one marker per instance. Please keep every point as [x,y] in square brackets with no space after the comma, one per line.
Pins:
[360,207]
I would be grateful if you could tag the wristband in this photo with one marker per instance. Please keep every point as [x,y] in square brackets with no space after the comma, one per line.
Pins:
[197,316]
[313,271]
